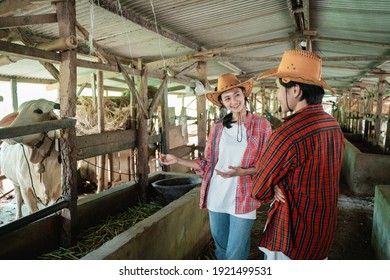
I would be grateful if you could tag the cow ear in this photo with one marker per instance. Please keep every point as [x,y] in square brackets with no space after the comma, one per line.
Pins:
[35,157]
[8,119]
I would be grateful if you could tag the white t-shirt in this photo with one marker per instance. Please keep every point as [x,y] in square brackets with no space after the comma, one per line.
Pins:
[221,195]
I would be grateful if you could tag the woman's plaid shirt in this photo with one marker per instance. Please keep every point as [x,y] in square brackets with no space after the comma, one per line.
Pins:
[258,131]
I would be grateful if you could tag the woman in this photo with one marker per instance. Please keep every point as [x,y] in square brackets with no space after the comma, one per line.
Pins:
[234,147]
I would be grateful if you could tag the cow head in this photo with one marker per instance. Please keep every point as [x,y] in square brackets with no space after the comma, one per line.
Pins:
[30,112]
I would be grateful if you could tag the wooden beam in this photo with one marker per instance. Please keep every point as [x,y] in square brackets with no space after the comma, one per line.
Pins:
[352,42]
[107,142]
[51,69]
[11,132]
[157,96]
[187,69]
[131,86]
[208,54]
[292,15]
[109,88]
[11,49]
[133,17]
[28,80]
[306,16]
[83,80]
[273,59]
[17,21]
[8,7]
[98,49]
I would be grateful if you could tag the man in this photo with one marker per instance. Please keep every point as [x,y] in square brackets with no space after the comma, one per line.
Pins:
[300,169]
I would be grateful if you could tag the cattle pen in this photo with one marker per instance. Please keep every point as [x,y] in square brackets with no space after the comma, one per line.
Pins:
[130,79]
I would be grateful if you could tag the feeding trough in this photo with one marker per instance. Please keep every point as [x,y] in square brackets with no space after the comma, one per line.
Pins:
[173,188]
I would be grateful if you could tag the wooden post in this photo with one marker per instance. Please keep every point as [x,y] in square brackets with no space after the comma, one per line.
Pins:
[361,112]
[93,90]
[100,109]
[201,108]
[133,125]
[349,112]
[66,16]
[371,113]
[142,140]
[165,148]
[379,105]
[387,141]
[14,92]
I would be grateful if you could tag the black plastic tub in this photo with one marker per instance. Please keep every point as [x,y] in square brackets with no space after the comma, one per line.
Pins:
[173,188]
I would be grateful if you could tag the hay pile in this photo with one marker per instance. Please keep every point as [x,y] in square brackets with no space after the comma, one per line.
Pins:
[116,114]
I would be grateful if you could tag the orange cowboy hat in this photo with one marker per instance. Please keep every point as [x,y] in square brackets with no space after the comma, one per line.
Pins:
[299,66]
[226,82]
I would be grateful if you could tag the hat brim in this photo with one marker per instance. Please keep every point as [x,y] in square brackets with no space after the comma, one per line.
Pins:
[214,95]
[288,77]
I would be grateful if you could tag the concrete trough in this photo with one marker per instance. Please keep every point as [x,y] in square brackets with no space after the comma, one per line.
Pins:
[178,231]
[181,226]
[380,238]
[363,171]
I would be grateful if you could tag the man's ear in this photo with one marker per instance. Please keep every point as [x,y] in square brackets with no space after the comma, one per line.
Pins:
[297,91]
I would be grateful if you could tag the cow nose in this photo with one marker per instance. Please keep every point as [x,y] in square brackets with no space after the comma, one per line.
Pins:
[57,106]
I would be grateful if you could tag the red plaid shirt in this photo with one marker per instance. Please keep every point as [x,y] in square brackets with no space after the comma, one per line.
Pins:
[304,158]
[258,131]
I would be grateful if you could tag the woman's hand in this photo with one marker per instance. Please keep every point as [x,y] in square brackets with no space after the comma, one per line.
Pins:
[233,171]
[167,159]
[279,196]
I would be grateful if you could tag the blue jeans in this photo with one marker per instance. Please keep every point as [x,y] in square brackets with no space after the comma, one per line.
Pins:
[231,236]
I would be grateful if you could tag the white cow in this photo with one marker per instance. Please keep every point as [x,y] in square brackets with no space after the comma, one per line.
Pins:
[31,162]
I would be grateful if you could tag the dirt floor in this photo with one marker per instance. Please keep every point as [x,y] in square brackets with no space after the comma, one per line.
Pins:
[353,233]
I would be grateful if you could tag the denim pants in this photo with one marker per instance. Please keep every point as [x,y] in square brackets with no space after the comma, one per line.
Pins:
[231,236]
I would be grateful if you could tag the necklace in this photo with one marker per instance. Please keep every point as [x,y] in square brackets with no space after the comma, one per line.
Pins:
[239,128]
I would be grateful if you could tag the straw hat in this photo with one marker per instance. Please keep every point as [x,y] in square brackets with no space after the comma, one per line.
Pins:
[227,82]
[299,66]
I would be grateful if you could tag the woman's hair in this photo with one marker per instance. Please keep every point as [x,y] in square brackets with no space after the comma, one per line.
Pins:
[312,93]
[227,119]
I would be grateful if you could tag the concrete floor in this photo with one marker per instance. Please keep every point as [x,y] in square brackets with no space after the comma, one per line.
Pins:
[353,233]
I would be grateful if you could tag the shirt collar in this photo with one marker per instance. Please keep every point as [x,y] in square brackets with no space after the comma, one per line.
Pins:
[308,108]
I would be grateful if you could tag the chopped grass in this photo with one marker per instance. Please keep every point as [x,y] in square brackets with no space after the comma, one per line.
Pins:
[94,237]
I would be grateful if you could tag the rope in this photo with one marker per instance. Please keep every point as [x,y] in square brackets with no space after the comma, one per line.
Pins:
[131,175]
[32,183]
[159,36]
[90,39]
[107,169]
[120,13]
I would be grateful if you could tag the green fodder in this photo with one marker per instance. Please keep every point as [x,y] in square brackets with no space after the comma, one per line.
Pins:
[94,237]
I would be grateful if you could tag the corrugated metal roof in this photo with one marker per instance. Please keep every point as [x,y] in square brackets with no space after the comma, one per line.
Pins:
[344,28]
